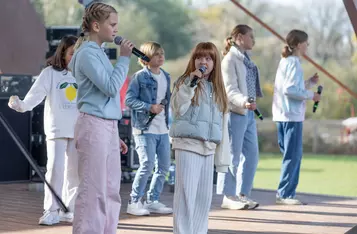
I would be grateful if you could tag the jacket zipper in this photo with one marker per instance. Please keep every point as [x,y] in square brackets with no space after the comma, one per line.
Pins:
[211,109]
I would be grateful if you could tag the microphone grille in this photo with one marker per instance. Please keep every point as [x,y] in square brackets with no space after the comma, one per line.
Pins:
[164,102]
[251,100]
[203,69]
[117,40]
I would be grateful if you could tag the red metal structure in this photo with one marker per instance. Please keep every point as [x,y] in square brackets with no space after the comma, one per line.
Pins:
[351,7]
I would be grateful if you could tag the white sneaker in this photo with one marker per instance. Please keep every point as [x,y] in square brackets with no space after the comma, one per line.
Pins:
[66,217]
[288,201]
[251,203]
[157,207]
[136,208]
[234,203]
[49,218]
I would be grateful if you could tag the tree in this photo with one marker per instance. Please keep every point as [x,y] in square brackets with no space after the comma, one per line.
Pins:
[170,21]
[59,13]
[329,31]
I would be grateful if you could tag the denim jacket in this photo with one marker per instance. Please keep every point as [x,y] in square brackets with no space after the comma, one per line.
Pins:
[141,95]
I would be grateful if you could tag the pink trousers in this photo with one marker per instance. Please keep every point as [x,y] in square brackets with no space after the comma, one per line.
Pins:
[98,201]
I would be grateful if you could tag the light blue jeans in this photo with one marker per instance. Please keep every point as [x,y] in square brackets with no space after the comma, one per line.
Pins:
[154,152]
[244,150]
[291,146]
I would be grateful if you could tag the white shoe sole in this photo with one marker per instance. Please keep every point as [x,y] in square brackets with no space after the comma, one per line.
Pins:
[289,204]
[160,212]
[136,214]
[230,207]
[253,207]
[47,223]
[66,220]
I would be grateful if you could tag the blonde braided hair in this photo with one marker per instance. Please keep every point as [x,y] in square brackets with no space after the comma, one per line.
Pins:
[96,12]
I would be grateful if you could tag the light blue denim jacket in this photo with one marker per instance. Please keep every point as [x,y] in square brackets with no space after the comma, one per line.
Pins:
[142,94]
[98,81]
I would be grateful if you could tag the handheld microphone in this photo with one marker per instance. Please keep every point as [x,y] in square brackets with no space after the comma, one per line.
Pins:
[202,69]
[138,53]
[316,104]
[256,111]
[152,115]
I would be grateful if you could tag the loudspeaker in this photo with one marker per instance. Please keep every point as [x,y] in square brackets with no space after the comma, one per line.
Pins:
[38,146]
[130,159]
[111,53]
[14,84]
[55,33]
[13,164]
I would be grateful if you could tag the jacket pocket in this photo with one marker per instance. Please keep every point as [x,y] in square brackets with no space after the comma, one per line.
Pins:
[146,93]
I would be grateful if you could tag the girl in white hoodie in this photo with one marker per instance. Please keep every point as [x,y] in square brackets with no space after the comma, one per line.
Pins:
[58,86]
[291,92]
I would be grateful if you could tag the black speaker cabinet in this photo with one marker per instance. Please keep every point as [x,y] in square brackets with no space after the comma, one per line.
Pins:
[130,160]
[38,147]
[13,164]
[55,33]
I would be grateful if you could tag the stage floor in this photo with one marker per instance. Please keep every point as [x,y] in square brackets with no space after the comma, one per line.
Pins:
[21,208]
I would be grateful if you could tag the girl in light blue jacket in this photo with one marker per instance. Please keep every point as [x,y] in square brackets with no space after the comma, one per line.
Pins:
[96,132]
[290,95]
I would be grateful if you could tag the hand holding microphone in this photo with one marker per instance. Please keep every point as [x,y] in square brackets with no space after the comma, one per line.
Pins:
[251,105]
[256,111]
[156,109]
[316,98]
[127,47]
[197,74]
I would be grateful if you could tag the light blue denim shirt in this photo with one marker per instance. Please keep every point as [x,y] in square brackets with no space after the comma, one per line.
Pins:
[290,91]
[98,81]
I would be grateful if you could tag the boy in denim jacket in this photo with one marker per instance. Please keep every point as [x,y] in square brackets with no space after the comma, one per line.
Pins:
[148,97]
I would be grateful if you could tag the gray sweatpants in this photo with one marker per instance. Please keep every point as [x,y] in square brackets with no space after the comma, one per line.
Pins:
[193,192]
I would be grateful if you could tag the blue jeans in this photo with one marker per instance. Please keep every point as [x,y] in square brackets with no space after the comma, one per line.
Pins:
[154,152]
[290,143]
[244,156]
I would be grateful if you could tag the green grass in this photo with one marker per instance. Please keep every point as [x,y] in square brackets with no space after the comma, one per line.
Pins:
[319,174]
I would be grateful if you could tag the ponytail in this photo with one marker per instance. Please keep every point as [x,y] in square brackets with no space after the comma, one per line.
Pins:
[227,45]
[80,40]
[293,39]
[239,29]
[286,52]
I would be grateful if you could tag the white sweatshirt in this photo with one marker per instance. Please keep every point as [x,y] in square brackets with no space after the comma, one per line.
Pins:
[60,112]
[291,91]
